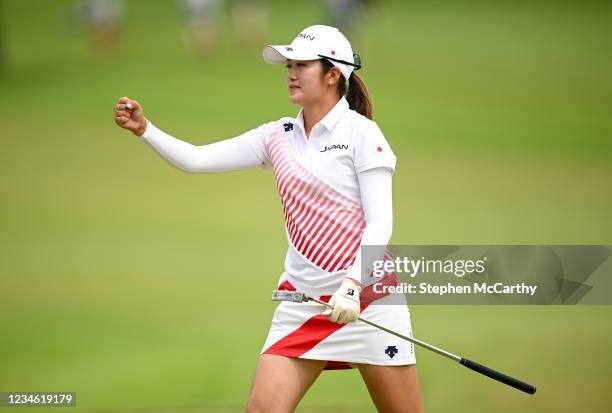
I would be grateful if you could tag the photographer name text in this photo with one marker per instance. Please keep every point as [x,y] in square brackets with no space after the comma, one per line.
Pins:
[434,289]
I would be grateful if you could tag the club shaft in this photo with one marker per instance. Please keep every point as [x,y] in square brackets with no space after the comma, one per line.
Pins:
[415,341]
[411,339]
[479,368]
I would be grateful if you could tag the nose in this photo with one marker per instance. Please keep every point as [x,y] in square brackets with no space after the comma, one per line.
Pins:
[291,73]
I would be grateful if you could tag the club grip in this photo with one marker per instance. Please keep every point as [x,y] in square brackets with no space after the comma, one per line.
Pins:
[496,375]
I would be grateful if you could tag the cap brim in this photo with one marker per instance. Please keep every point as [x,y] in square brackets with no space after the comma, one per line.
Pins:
[278,55]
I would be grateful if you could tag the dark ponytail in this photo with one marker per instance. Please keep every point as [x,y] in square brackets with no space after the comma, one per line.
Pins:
[357,95]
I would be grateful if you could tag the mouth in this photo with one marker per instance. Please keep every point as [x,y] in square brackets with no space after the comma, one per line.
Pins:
[293,87]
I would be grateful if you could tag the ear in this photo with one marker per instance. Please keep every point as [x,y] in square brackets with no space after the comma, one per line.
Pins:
[333,76]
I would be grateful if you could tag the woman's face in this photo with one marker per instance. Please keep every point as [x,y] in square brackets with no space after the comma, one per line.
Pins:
[306,82]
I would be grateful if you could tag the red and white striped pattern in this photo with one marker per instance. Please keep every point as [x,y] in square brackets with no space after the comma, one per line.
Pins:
[323,225]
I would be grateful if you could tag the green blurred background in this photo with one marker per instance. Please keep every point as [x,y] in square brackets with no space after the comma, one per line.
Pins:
[144,288]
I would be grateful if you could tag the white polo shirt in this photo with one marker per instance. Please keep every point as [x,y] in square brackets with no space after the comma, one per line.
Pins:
[343,144]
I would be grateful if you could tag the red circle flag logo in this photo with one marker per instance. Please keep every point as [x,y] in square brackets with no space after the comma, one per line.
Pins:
[379,149]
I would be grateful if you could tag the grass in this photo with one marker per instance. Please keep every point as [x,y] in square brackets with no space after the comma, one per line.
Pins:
[143,288]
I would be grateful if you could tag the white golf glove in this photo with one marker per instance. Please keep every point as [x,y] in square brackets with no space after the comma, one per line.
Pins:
[345,302]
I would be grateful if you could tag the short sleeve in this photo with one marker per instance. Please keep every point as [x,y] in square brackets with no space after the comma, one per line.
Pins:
[257,138]
[371,149]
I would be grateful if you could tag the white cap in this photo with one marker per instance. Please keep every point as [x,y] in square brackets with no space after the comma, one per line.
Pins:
[313,43]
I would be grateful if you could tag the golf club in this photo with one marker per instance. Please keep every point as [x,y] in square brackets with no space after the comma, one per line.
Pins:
[298,297]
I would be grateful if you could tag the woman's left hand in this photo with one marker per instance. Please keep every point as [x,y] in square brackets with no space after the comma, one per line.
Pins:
[345,303]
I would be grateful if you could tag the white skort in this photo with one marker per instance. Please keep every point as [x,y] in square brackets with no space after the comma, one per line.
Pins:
[298,330]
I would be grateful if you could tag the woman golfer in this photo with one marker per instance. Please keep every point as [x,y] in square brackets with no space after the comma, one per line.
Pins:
[333,169]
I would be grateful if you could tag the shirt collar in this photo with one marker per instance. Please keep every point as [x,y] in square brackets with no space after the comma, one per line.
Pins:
[332,117]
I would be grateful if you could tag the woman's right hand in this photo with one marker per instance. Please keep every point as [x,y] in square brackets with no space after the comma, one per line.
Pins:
[130,117]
